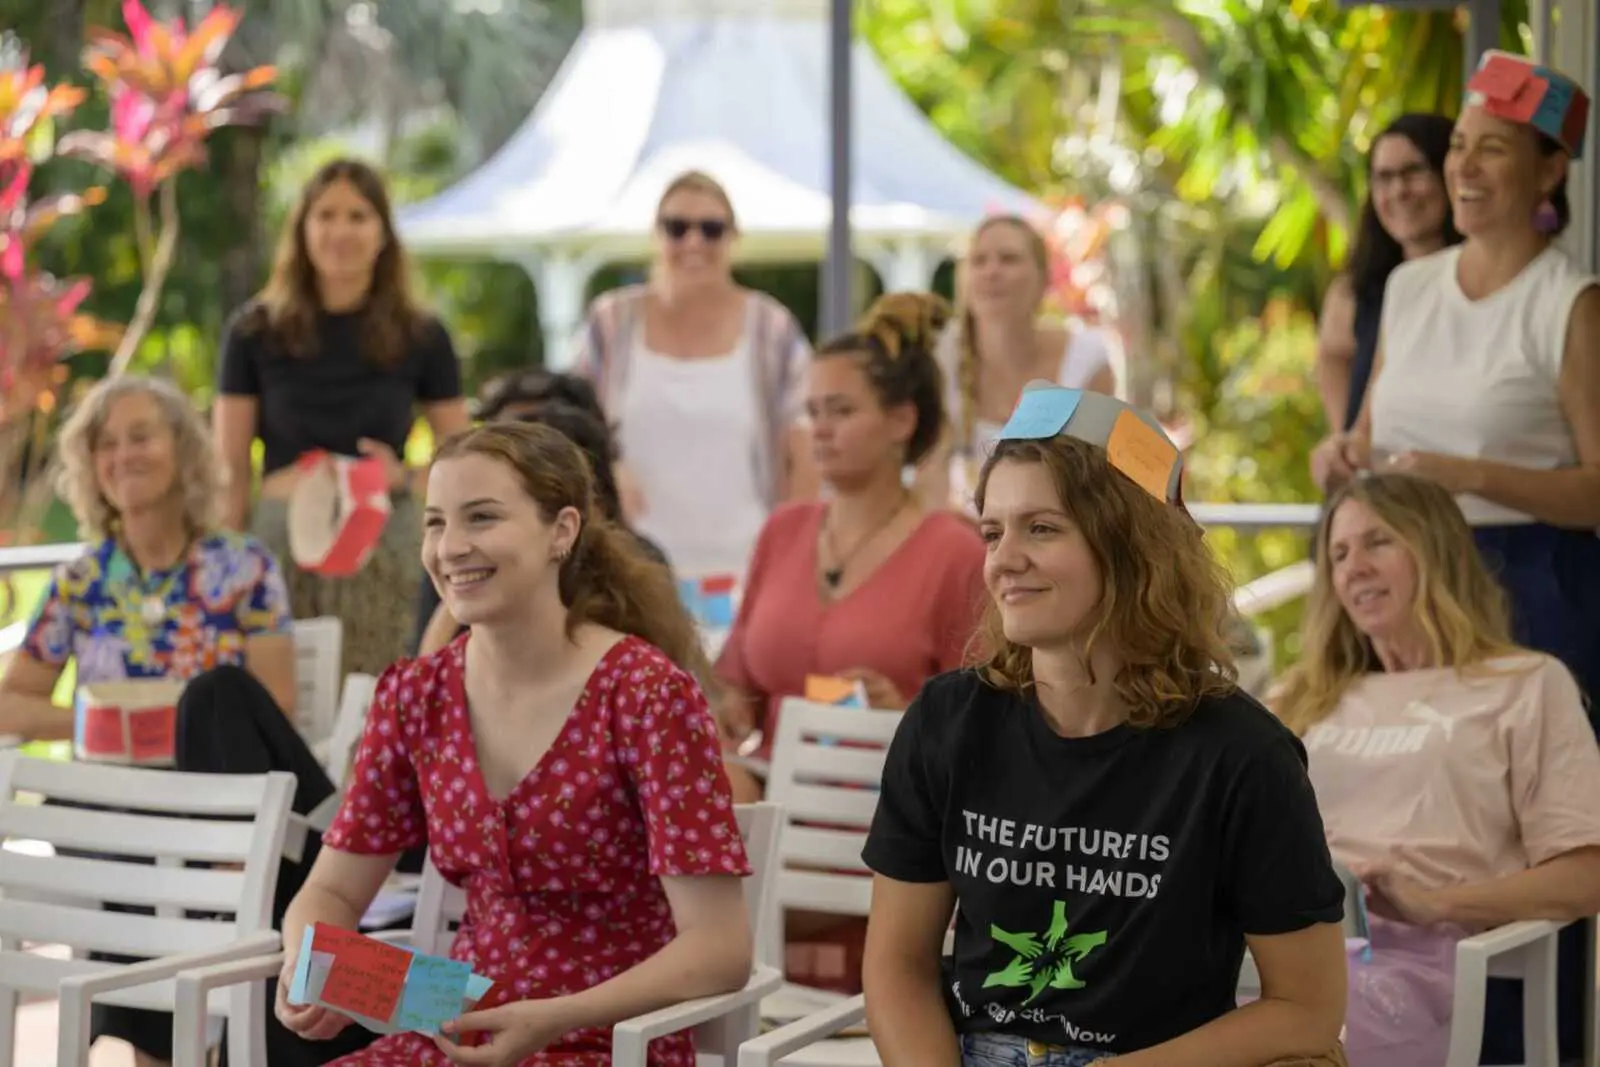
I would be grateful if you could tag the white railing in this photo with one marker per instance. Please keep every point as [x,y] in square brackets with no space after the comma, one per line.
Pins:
[1262,595]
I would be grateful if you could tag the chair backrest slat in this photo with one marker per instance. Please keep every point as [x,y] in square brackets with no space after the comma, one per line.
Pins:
[54,877]
[318,648]
[120,834]
[132,788]
[111,931]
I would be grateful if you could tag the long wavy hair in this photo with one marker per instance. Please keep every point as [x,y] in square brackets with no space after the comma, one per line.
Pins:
[894,346]
[967,335]
[197,477]
[605,580]
[289,306]
[1459,605]
[1166,603]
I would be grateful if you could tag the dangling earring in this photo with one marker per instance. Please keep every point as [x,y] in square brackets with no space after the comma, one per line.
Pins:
[1545,219]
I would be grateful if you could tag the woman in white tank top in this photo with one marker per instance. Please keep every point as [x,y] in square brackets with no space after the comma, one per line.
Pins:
[704,381]
[995,347]
[1487,381]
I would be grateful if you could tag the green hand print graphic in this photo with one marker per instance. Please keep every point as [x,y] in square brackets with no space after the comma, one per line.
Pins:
[1048,965]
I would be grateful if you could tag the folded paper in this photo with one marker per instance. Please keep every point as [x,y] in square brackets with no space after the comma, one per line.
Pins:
[337,513]
[840,692]
[710,599]
[1516,89]
[386,988]
[132,722]
[1135,444]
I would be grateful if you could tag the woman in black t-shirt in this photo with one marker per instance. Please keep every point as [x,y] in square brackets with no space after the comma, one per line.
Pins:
[1109,818]
[335,355]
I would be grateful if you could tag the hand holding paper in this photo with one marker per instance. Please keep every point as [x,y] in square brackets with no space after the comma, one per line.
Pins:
[385,988]
[509,1034]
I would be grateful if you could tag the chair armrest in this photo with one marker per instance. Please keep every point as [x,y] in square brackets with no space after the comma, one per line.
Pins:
[1475,964]
[89,986]
[629,1037]
[774,1045]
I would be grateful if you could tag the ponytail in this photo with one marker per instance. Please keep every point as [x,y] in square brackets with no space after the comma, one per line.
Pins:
[607,580]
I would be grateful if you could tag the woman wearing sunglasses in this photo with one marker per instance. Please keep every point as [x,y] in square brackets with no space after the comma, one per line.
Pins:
[704,381]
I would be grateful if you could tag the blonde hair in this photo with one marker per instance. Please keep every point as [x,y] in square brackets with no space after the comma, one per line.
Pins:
[198,475]
[698,181]
[967,332]
[1462,610]
[1167,601]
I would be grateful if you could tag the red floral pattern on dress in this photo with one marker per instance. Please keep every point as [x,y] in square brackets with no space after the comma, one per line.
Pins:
[563,875]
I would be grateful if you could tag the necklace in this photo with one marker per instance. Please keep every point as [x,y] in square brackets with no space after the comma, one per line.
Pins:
[153,587]
[832,576]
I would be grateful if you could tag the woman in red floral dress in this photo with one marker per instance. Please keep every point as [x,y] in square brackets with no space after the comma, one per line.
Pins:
[560,763]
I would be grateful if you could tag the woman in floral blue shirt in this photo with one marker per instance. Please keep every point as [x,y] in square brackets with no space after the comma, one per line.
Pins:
[162,592]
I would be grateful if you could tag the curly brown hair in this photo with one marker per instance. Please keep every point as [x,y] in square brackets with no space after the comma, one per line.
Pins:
[894,346]
[1166,602]
[605,579]
[288,306]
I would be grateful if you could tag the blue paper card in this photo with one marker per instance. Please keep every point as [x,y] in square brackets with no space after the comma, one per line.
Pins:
[436,989]
[1041,413]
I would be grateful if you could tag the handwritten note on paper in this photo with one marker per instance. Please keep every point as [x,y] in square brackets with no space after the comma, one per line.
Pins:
[152,734]
[435,992]
[367,976]
[100,733]
[1501,78]
[1141,453]
[384,988]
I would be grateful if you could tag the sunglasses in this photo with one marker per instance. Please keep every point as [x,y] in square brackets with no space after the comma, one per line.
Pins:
[713,230]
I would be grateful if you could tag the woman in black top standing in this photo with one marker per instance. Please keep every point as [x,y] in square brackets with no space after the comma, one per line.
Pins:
[335,355]
[1407,215]
[1109,818]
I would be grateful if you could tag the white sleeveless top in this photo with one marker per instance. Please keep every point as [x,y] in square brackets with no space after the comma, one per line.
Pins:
[1087,353]
[1478,378]
[689,429]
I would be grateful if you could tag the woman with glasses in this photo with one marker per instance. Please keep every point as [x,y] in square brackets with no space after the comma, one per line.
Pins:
[1406,216]
[704,381]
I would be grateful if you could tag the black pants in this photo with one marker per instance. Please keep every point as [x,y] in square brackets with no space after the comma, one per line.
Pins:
[229,724]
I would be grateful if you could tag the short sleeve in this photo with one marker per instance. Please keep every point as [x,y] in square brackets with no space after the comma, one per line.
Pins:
[440,376]
[382,810]
[1088,352]
[239,374]
[1277,874]
[266,607]
[904,842]
[667,746]
[1555,767]
[49,635]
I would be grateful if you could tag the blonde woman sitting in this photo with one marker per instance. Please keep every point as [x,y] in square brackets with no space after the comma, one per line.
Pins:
[1456,771]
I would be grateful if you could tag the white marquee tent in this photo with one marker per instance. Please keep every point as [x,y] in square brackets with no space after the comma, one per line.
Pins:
[737,88]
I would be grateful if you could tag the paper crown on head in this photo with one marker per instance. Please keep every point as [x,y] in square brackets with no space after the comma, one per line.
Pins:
[1517,89]
[1134,442]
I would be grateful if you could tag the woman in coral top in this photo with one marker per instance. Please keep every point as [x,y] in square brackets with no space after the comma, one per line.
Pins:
[870,585]
[560,763]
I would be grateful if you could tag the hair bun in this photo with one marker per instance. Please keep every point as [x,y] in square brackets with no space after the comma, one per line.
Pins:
[896,320]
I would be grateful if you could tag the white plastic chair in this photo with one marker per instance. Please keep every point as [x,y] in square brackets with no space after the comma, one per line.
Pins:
[52,898]
[318,647]
[721,1023]
[334,753]
[827,766]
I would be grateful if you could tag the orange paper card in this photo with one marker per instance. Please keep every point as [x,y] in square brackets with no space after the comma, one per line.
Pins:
[152,734]
[826,689]
[367,976]
[1142,454]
